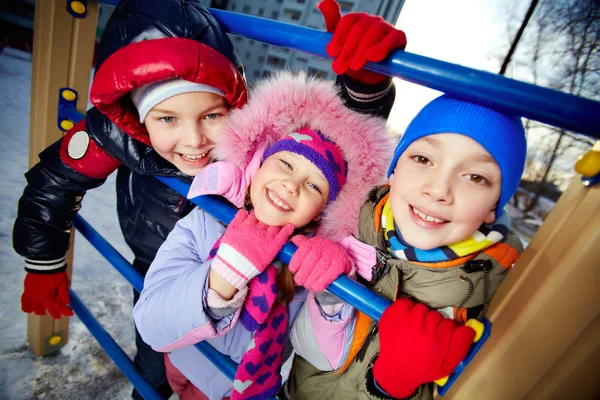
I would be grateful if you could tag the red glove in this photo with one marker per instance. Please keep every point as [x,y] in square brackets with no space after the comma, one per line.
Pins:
[417,346]
[357,38]
[46,292]
[318,262]
[248,247]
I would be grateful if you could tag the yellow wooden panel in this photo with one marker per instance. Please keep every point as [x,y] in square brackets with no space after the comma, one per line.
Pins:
[63,49]
[543,312]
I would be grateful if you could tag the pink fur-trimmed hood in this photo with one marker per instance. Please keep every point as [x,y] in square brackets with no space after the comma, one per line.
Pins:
[286,102]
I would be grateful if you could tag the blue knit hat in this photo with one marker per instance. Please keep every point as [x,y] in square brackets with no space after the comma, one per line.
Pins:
[500,134]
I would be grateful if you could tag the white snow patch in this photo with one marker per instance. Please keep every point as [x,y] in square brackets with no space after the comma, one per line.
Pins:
[80,370]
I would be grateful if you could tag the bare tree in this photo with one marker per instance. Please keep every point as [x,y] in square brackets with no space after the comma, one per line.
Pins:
[561,51]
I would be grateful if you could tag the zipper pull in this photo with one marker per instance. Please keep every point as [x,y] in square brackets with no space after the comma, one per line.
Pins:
[380,269]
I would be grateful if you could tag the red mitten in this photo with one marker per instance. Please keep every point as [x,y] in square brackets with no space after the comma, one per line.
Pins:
[46,292]
[318,262]
[357,38]
[417,346]
[331,12]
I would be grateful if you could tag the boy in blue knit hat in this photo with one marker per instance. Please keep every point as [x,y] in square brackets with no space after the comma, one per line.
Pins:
[442,239]
[455,168]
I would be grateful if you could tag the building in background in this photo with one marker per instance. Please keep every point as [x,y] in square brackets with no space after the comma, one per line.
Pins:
[261,59]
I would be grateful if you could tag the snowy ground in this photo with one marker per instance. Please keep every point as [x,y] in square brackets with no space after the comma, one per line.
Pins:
[81,370]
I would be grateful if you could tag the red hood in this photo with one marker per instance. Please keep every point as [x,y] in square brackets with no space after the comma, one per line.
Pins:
[155,60]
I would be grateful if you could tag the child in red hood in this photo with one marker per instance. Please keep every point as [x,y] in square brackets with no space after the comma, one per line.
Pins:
[166,79]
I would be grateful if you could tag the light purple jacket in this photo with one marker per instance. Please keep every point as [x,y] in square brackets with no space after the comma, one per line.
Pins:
[171,314]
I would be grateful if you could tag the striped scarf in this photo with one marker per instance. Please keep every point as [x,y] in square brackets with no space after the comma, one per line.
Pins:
[483,238]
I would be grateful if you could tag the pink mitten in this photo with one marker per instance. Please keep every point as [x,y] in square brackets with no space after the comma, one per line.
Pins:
[226,179]
[318,262]
[247,248]
[364,256]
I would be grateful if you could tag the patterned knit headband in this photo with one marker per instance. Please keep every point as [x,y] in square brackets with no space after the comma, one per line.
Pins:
[321,151]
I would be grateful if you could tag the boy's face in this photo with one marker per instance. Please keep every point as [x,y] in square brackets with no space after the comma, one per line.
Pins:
[183,129]
[443,188]
[288,189]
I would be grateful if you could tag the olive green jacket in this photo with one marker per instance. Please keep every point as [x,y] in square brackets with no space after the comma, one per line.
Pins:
[443,286]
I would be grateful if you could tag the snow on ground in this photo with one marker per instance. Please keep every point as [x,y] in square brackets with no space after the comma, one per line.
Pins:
[81,370]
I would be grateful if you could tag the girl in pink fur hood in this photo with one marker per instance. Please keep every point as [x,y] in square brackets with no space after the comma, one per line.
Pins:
[296,161]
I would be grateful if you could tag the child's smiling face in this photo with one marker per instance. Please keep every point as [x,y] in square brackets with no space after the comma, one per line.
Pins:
[183,129]
[288,189]
[443,188]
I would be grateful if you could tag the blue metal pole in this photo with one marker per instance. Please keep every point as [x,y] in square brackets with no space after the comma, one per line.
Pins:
[550,106]
[224,363]
[112,349]
[221,361]
[343,287]
[519,98]
[219,208]
[108,2]
[68,111]
[134,278]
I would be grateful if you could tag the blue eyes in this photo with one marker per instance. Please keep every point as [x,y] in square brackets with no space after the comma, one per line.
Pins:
[170,120]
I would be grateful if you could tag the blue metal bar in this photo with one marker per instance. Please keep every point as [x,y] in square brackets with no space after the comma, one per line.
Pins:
[541,104]
[68,111]
[107,2]
[343,287]
[219,208]
[134,278]
[112,349]
[224,363]
[473,350]
[550,106]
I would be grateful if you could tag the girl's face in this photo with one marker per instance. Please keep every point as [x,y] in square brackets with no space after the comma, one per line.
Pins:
[288,189]
[183,129]
[443,188]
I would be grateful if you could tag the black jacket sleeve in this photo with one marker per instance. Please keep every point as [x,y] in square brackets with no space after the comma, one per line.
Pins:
[376,99]
[50,200]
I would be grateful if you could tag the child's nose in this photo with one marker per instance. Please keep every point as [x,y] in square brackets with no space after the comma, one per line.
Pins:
[195,136]
[439,188]
[290,185]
